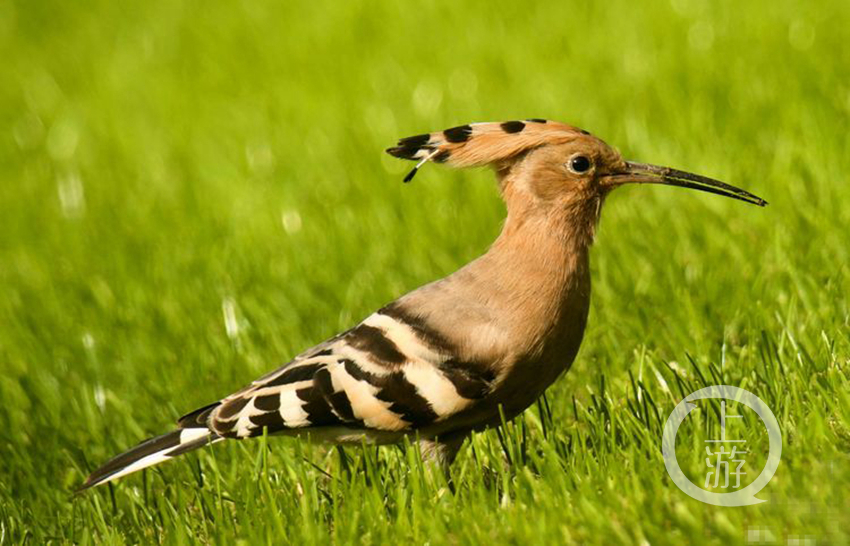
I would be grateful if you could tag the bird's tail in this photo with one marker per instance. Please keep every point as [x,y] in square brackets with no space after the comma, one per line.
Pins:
[151,452]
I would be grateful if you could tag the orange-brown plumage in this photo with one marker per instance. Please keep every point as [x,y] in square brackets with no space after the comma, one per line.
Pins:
[457,354]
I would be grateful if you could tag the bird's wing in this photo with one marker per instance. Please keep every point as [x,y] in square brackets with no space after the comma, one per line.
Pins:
[389,373]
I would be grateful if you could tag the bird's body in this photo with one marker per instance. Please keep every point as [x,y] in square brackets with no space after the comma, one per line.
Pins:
[460,353]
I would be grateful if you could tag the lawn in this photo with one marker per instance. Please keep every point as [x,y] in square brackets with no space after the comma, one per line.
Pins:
[193,192]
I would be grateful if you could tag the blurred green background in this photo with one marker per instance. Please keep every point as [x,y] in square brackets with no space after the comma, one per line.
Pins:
[193,192]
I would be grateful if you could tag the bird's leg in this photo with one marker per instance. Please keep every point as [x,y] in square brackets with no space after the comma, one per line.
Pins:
[440,453]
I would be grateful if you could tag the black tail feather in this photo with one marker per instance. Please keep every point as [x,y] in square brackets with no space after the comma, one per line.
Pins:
[150,452]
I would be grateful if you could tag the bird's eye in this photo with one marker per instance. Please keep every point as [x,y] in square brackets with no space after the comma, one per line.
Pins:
[579,164]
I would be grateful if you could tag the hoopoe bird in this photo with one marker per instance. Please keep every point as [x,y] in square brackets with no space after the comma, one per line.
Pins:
[461,353]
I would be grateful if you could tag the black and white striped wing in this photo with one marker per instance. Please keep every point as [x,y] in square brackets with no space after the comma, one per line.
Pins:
[389,373]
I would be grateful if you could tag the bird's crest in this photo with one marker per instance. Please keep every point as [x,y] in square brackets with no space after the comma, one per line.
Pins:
[478,144]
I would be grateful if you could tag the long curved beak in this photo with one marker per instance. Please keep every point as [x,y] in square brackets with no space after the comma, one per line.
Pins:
[643,173]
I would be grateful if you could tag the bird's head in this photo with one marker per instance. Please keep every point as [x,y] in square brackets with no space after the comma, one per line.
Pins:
[549,166]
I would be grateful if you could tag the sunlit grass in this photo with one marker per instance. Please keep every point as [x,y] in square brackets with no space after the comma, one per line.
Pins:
[191,194]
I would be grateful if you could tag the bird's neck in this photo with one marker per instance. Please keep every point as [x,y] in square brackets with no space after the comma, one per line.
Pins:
[540,260]
[527,299]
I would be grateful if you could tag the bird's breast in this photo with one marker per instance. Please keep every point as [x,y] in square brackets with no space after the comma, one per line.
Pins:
[534,348]
[530,375]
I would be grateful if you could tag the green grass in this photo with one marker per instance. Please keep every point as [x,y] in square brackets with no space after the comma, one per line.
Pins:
[165,161]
